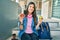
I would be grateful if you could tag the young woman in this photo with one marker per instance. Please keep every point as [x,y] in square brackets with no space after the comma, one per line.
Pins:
[28,24]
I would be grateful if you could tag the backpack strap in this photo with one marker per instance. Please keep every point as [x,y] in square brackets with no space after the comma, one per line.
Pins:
[42,27]
[46,26]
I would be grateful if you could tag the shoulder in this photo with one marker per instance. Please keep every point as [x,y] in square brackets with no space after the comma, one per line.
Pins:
[24,19]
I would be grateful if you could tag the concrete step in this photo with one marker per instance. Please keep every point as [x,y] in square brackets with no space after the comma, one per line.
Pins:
[54,33]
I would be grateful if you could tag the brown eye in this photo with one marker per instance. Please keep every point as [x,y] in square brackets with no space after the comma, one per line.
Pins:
[29,6]
[33,7]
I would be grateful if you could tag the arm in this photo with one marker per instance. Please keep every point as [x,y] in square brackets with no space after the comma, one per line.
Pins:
[37,26]
[21,21]
[21,26]
[38,23]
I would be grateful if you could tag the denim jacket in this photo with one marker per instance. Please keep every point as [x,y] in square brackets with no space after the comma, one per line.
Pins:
[25,25]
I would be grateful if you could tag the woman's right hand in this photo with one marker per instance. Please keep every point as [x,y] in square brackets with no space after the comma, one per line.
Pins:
[21,16]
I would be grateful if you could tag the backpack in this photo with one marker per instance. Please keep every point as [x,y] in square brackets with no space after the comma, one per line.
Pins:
[45,34]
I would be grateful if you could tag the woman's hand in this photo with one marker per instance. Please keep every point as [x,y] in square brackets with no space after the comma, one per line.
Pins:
[39,22]
[21,16]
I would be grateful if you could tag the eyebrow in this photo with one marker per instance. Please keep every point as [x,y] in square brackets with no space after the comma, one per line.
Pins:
[31,6]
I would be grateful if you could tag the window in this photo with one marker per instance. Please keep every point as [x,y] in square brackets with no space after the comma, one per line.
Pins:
[56,9]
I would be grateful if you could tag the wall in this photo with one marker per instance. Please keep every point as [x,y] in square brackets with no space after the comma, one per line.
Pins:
[8,17]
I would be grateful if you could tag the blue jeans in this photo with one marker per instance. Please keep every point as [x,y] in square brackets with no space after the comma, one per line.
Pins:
[32,36]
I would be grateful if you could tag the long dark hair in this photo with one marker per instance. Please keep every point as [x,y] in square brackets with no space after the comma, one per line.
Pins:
[33,13]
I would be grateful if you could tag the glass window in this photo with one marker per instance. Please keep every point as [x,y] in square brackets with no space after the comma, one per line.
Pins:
[56,9]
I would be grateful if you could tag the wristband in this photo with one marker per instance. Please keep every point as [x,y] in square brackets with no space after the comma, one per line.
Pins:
[21,23]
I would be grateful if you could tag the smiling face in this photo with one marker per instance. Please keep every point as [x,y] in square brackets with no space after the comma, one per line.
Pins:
[30,8]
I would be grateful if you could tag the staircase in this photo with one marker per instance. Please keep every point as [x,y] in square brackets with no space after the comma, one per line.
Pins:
[55,32]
